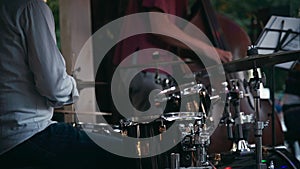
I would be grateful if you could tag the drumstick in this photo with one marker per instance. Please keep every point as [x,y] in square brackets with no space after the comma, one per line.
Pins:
[81,113]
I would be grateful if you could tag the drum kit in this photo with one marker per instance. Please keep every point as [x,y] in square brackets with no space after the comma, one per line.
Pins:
[196,124]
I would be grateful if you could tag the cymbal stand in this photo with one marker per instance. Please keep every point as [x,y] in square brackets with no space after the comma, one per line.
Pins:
[259,125]
[235,95]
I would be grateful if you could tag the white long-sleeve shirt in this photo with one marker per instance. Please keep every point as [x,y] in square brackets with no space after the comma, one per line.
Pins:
[33,77]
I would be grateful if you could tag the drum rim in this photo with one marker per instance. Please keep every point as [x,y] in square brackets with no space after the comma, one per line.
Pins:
[171,116]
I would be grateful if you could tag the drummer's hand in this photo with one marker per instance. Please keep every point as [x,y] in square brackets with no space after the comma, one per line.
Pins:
[225,56]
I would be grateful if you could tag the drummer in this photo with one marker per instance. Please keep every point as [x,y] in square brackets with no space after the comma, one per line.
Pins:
[33,81]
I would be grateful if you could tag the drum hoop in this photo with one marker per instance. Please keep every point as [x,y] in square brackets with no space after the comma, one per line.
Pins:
[182,116]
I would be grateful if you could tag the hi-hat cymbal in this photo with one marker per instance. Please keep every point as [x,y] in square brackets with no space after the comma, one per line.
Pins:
[87,84]
[259,61]
[90,84]
[82,113]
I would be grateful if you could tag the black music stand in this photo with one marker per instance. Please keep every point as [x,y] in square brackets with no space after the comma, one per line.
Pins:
[279,34]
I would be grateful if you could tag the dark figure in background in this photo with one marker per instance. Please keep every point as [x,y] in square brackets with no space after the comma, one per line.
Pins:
[145,81]
[291,106]
[34,81]
[138,43]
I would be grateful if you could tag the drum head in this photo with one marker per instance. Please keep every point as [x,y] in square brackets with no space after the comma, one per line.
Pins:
[144,119]
[182,116]
[101,128]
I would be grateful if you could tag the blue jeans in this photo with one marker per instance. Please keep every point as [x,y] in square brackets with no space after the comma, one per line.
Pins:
[61,146]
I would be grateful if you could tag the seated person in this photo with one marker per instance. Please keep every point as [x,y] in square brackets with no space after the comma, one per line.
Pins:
[291,107]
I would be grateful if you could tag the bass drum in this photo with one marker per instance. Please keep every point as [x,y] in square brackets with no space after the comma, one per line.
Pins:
[276,158]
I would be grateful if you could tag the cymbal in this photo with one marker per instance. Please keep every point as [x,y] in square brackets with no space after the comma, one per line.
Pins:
[82,113]
[152,64]
[259,61]
[144,119]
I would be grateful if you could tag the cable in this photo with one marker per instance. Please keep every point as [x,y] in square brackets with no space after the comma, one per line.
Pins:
[286,158]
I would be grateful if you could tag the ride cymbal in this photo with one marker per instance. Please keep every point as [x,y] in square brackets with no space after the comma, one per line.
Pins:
[259,61]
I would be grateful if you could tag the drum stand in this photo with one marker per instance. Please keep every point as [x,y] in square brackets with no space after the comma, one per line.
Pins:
[233,97]
[197,142]
[201,154]
[195,138]
[259,125]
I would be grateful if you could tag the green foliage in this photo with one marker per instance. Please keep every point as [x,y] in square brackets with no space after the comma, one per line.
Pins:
[243,12]
[54,6]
